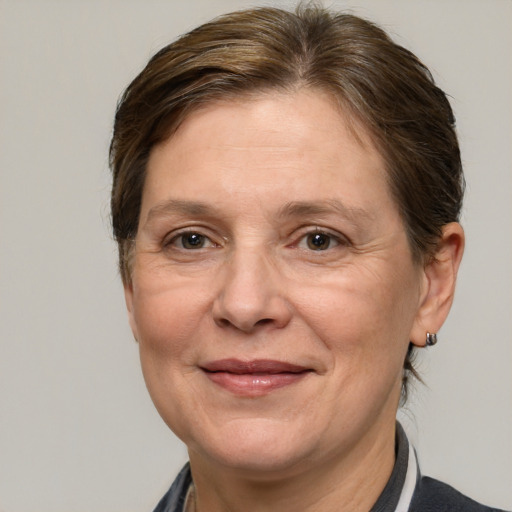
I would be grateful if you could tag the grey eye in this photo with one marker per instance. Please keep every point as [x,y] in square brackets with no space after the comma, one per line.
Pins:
[318,241]
[192,240]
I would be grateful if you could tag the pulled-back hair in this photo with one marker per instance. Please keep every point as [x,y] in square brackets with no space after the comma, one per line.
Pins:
[376,82]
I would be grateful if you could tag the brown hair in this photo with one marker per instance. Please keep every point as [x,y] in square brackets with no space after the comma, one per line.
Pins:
[377,82]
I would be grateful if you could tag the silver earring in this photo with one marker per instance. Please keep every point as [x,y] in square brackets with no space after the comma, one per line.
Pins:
[431,339]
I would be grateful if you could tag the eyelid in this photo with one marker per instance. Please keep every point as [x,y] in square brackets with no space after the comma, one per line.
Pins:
[338,237]
[174,235]
[216,240]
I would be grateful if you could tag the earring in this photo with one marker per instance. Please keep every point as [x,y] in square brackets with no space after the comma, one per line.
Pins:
[431,339]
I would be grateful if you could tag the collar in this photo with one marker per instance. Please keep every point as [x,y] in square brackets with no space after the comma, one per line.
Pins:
[397,495]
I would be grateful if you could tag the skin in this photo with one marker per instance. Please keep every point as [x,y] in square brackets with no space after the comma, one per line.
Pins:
[254,183]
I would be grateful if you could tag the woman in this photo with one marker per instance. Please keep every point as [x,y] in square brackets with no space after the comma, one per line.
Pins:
[286,196]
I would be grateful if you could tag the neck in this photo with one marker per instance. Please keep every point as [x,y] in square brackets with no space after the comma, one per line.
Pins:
[353,481]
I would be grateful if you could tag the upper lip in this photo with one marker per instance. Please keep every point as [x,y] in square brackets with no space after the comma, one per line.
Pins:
[265,366]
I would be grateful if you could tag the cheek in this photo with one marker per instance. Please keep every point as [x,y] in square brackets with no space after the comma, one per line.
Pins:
[363,320]
[169,320]
[170,338]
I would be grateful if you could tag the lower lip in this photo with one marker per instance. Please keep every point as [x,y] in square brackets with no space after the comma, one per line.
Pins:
[254,384]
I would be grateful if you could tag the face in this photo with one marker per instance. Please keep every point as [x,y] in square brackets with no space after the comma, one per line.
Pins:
[273,290]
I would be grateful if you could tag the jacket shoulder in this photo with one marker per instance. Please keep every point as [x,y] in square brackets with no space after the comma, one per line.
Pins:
[174,498]
[432,495]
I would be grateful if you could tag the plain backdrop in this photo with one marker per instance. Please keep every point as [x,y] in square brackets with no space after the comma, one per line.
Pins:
[77,429]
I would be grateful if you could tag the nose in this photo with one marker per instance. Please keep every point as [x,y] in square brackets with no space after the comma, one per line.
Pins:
[251,294]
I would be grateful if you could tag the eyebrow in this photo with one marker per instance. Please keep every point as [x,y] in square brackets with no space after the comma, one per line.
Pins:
[324,207]
[290,209]
[180,207]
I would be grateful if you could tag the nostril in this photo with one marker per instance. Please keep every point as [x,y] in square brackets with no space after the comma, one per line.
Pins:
[223,322]
[263,309]
[264,321]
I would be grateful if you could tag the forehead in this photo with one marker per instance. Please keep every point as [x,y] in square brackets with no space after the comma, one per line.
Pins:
[269,108]
[301,141]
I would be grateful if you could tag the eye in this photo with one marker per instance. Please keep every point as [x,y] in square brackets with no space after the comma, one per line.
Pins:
[318,241]
[190,240]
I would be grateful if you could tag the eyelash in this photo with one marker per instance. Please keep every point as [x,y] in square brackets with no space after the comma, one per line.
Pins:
[177,240]
[171,242]
[338,240]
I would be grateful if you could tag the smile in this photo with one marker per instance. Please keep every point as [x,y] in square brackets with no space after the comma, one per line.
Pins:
[253,378]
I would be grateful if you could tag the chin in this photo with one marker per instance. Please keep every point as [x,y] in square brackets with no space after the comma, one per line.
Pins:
[261,448]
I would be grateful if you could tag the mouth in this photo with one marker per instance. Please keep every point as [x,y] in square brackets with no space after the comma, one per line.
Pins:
[253,378]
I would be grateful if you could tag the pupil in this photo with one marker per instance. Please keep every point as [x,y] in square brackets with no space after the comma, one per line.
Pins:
[319,241]
[193,240]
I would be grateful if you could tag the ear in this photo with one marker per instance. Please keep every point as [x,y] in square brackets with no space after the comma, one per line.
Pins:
[440,275]
[128,297]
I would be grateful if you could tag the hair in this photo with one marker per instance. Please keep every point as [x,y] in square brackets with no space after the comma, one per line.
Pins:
[378,83]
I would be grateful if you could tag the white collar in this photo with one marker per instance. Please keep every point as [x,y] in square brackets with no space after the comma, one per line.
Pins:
[410,482]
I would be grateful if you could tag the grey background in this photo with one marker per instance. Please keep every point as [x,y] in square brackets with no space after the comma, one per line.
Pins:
[77,429]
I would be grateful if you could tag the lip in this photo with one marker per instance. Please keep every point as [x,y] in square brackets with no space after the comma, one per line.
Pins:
[253,378]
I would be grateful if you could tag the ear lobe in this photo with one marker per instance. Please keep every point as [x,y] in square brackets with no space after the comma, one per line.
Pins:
[128,297]
[440,275]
